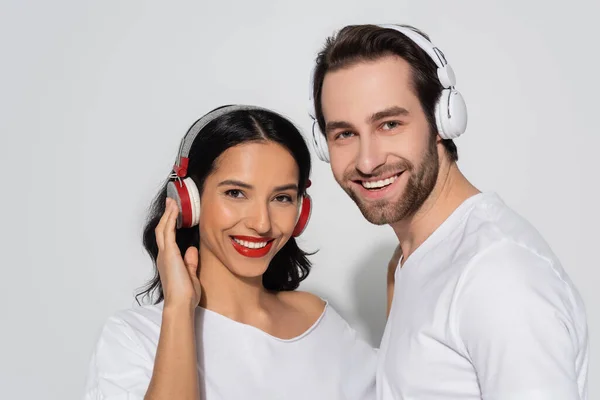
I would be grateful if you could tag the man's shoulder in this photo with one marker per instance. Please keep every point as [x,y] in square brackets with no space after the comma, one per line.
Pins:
[493,229]
[508,277]
[498,248]
[507,260]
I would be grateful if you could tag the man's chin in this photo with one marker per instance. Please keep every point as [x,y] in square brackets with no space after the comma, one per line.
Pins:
[380,212]
[377,215]
[384,212]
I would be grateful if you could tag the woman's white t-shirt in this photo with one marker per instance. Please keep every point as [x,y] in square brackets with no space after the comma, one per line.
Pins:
[237,361]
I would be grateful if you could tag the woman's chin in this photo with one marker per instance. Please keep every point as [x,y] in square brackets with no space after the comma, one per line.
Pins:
[249,271]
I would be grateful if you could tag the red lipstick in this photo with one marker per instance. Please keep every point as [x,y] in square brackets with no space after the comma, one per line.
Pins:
[244,250]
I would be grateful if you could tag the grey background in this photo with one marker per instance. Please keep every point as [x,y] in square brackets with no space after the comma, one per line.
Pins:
[95,97]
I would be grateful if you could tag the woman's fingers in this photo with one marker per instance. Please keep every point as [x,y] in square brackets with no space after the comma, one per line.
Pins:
[169,228]
[181,286]
[191,261]
[160,228]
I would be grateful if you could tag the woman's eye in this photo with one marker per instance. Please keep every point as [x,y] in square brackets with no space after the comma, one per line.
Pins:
[234,193]
[284,198]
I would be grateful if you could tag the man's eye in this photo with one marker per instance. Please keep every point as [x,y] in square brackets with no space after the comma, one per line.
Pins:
[391,125]
[344,135]
[234,193]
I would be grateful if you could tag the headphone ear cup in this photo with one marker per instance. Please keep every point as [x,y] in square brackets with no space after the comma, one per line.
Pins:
[185,194]
[458,114]
[194,200]
[451,114]
[320,143]
[303,215]
[177,191]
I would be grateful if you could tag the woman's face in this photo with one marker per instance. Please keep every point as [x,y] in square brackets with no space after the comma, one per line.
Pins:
[249,206]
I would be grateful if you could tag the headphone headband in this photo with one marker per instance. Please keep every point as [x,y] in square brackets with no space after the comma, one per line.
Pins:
[445,73]
[181,163]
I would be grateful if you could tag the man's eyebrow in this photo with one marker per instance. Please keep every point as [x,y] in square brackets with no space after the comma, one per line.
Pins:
[334,125]
[394,111]
[388,112]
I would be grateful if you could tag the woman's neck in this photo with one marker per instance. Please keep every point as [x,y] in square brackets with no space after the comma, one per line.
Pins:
[228,294]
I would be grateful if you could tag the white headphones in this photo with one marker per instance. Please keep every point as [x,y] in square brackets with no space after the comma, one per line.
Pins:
[450,110]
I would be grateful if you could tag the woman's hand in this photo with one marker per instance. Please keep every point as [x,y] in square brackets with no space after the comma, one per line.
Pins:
[178,276]
[175,373]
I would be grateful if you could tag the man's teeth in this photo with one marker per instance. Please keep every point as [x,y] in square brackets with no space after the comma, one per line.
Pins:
[379,184]
[251,245]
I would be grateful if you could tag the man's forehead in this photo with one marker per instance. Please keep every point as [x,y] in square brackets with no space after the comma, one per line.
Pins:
[388,67]
[362,95]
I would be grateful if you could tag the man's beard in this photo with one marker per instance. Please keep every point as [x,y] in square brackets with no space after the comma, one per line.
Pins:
[420,184]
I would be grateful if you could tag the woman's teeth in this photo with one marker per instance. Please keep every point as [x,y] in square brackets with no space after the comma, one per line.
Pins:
[379,184]
[251,245]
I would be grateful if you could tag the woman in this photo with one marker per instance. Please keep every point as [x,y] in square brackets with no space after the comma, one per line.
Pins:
[227,322]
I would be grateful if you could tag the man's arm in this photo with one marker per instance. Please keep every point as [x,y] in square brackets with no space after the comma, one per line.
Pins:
[516,322]
[392,265]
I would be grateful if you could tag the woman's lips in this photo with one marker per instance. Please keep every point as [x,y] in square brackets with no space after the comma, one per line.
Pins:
[254,247]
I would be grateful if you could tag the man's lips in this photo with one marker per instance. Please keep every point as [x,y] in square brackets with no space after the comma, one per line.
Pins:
[377,189]
[377,183]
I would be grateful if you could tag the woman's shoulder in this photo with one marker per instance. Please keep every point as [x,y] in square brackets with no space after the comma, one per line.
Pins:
[134,321]
[124,350]
[333,324]
[305,301]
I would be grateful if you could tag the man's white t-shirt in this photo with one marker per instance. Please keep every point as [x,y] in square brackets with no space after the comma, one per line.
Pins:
[484,310]
[237,361]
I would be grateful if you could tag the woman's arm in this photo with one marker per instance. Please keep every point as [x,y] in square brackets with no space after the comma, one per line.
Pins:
[175,373]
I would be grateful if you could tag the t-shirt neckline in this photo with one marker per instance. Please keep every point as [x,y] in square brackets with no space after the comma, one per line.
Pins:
[242,325]
[444,229]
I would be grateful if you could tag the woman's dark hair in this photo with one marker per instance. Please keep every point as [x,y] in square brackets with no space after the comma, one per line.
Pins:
[356,43]
[290,265]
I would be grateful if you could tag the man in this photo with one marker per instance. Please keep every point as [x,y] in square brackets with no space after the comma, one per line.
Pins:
[481,306]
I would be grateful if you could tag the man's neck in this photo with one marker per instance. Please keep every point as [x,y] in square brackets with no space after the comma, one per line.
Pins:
[450,191]
[233,296]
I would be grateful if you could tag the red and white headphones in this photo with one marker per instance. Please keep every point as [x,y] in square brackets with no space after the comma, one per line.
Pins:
[184,191]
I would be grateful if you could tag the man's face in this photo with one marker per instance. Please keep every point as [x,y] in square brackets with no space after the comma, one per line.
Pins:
[382,151]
